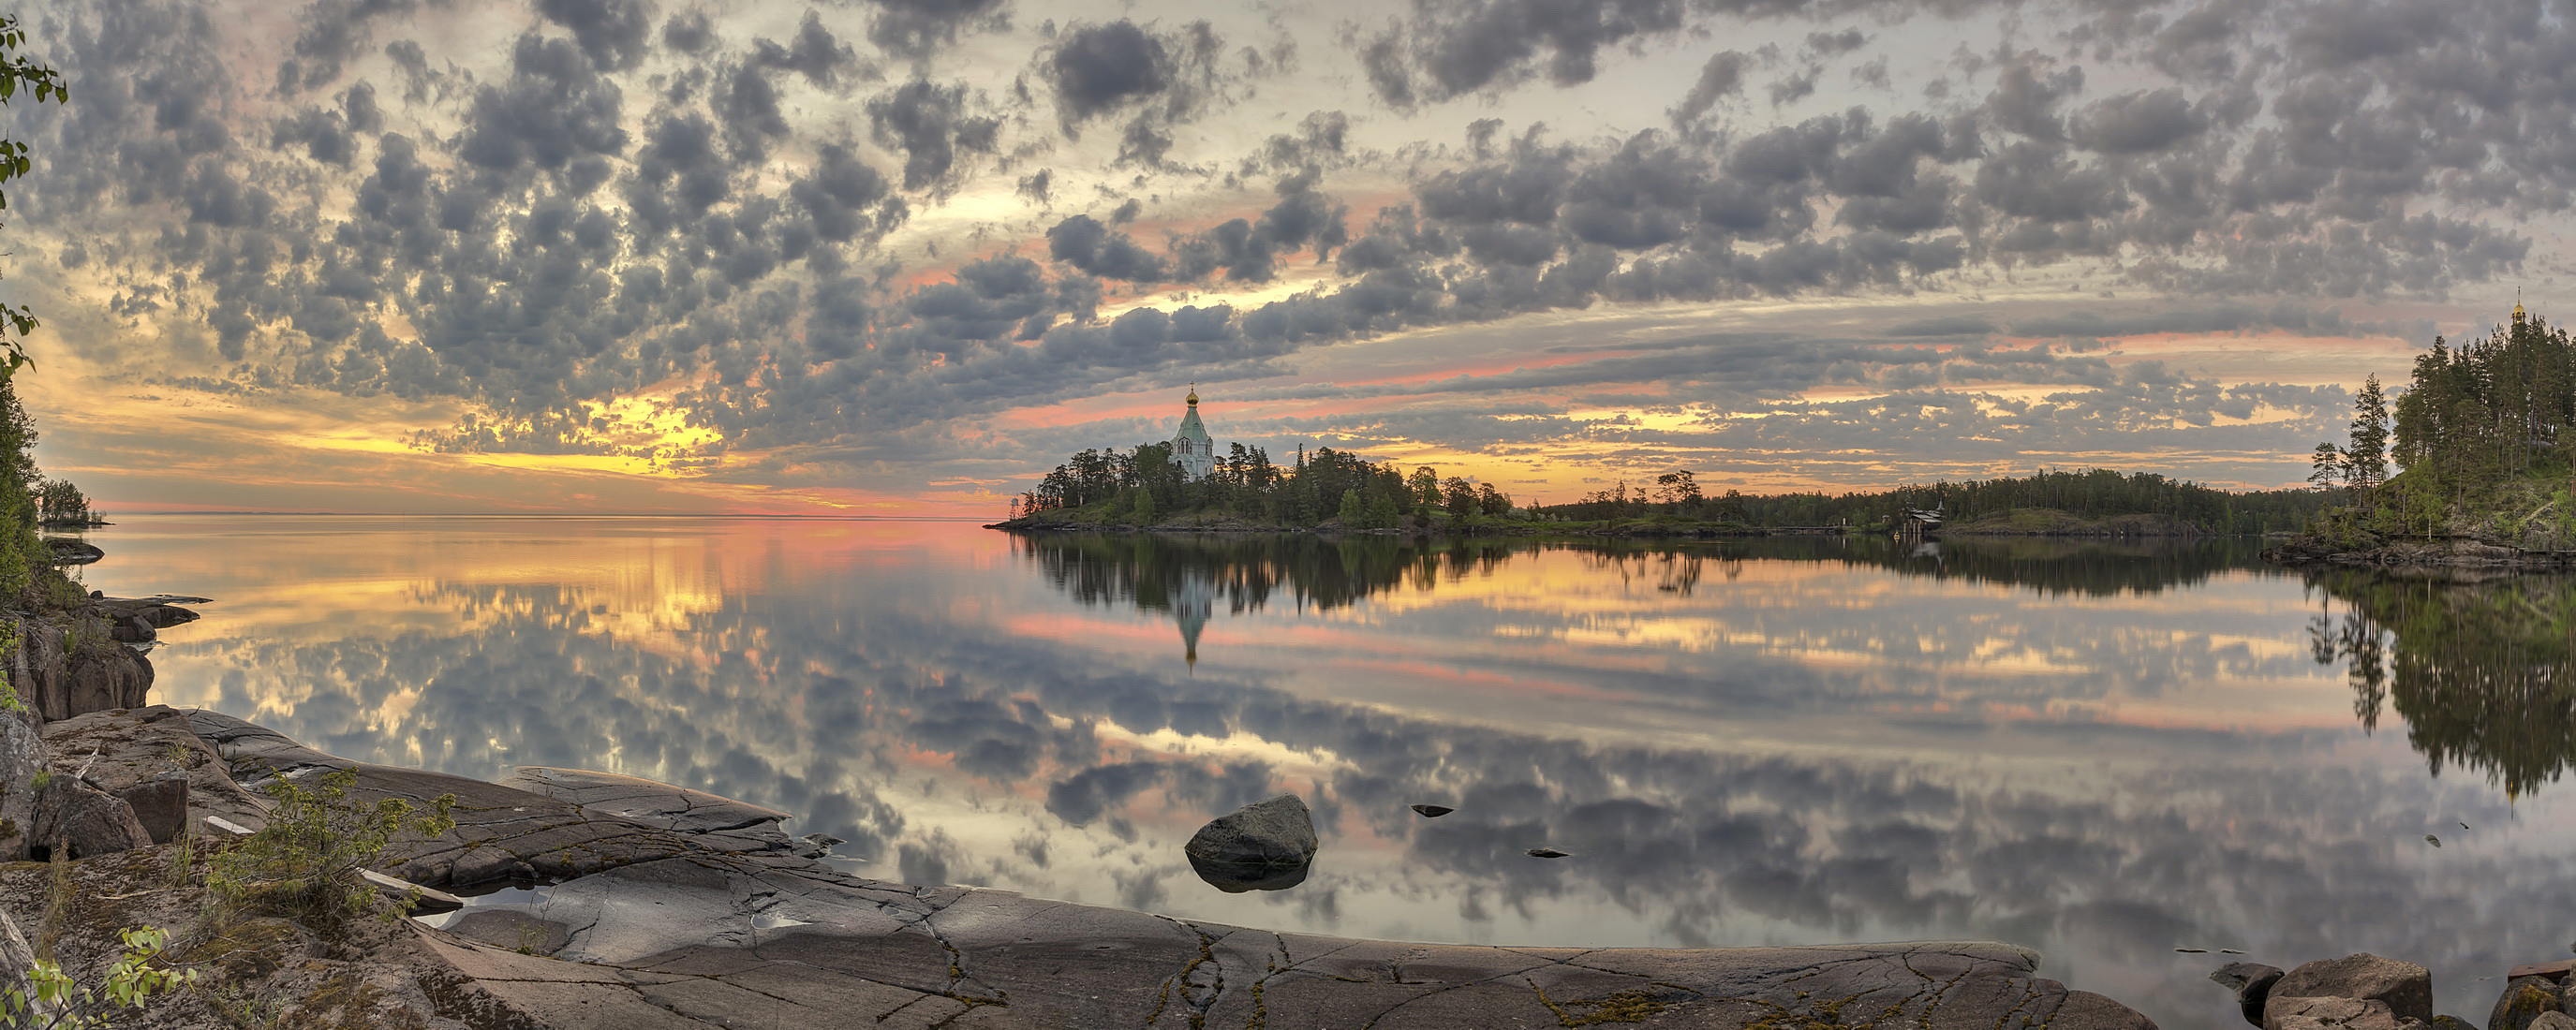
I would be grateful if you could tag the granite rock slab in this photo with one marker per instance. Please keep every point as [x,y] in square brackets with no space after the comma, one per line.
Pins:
[652,927]
[131,752]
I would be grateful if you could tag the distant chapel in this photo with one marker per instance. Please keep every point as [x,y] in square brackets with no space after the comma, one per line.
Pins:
[1191,448]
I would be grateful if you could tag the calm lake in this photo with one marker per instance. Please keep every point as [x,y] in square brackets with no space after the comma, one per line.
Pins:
[2103,752]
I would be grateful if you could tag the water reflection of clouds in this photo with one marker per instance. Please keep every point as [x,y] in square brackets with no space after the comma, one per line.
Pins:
[880,692]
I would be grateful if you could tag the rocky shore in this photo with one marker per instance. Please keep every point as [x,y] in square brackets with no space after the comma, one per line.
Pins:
[2438,552]
[667,907]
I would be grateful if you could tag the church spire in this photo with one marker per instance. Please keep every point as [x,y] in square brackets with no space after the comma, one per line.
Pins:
[2517,307]
[1194,386]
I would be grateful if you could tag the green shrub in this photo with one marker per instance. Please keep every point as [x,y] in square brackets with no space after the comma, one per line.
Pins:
[304,864]
[58,1003]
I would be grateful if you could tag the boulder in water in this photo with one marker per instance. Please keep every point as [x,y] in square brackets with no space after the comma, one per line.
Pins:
[1275,832]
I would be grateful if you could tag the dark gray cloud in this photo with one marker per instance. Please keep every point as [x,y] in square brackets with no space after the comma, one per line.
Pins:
[555,106]
[815,54]
[1096,249]
[612,32]
[330,33]
[918,28]
[1451,47]
[1152,77]
[931,125]
[1721,77]
[689,32]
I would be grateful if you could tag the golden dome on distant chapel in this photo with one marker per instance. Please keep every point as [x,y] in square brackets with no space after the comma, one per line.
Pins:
[1194,389]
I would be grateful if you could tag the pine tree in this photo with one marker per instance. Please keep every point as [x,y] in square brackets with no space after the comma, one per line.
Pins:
[2326,466]
[2366,462]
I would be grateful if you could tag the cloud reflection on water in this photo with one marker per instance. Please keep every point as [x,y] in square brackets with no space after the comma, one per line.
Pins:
[2102,755]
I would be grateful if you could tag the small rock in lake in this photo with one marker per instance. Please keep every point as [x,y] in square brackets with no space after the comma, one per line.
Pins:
[1548,853]
[2230,951]
[2432,840]
[2464,826]
[1274,832]
[1431,811]
[2193,951]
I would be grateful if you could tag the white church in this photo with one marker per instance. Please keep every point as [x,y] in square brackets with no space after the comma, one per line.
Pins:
[1191,448]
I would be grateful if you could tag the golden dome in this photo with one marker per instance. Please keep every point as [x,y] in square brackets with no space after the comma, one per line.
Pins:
[1194,396]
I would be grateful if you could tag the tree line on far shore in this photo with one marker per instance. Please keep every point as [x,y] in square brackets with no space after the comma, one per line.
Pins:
[1143,484]
[2090,494]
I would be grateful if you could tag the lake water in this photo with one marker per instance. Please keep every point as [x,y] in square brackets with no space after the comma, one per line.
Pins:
[2105,753]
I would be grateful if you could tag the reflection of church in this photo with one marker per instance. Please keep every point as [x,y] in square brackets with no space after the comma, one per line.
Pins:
[1191,448]
[1192,603]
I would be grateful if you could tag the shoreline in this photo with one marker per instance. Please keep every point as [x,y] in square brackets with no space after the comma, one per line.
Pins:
[1532,531]
[636,881]
[2437,553]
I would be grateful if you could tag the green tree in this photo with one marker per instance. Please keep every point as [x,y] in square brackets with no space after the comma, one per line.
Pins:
[1680,488]
[1459,496]
[1382,513]
[1353,510]
[18,72]
[1425,484]
[58,502]
[21,552]
[2366,461]
[2325,466]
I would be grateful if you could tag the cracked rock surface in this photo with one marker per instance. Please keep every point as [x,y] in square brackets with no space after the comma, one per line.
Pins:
[679,909]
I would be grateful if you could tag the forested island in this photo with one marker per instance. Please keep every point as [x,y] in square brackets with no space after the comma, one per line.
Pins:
[2481,435]
[1339,491]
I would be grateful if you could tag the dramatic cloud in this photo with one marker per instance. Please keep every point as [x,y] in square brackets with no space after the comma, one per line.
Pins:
[831,244]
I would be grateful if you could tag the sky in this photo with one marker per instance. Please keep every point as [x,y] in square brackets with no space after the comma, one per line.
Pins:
[903,256]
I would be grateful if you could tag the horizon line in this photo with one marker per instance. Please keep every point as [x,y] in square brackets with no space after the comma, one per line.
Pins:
[545,515]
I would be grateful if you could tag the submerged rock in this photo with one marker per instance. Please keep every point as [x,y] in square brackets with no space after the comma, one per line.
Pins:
[1549,853]
[1431,811]
[1275,832]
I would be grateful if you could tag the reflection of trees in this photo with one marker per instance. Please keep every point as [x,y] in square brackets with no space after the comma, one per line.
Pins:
[2483,673]
[2050,565]
[1154,571]
[2060,566]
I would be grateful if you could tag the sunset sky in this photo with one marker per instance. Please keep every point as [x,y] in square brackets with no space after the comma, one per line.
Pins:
[902,256]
